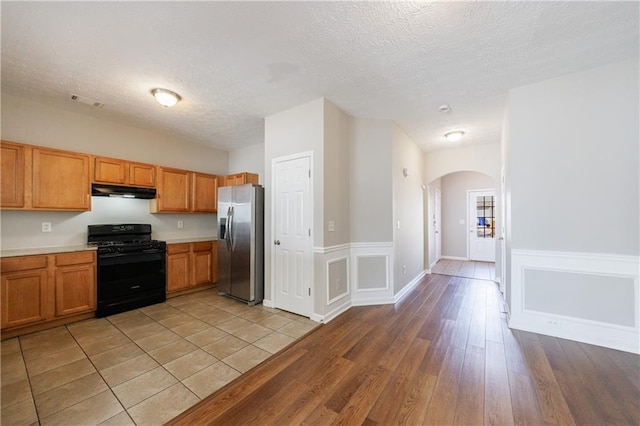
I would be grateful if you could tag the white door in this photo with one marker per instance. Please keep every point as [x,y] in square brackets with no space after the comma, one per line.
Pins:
[292,244]
[482,225]
[436,223]
[502,241]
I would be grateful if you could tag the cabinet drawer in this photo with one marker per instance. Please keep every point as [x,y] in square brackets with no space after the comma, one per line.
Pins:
[203,246]
[177,248]
[23,263]
[75,258]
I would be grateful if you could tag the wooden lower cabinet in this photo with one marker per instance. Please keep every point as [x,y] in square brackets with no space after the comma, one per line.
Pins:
[24,297]
[46,288]
[191,265]
[73,272]
[178,267]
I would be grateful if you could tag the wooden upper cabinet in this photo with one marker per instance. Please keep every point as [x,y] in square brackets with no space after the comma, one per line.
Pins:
[109,170]
[182,191]
[141,174]
[173,192]
[120,172]
[240,179]
[60,180]
[204,196]
[12,175]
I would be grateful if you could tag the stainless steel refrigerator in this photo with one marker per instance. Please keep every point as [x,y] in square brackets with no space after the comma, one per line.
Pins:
[241,242]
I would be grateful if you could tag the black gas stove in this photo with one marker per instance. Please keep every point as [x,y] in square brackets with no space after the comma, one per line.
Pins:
[131,267]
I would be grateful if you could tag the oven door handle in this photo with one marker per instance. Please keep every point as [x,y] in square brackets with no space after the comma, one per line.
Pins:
[130,258]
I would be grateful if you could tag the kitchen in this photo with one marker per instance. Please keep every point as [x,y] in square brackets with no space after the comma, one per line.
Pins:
[22,229]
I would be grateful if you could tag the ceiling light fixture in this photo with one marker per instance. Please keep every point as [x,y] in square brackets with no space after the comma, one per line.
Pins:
[454,136]
[166,97]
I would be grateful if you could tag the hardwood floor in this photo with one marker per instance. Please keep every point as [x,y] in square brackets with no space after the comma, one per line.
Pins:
[443,355]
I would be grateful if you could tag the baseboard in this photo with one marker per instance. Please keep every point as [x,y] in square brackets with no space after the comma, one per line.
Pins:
[410,286]
[560,294]
[317,318]
[268,303]
[336,311]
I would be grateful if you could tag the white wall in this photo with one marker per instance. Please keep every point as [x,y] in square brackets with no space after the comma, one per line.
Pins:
[371,180]
[336,162]
[477,158]
[249,159]
[573,173]
[454,188]
[299,129]
[34,122]
[408,243]
[574,162]
[38,123]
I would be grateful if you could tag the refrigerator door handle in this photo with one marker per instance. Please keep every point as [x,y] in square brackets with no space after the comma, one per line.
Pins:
[227,236]
[230,233]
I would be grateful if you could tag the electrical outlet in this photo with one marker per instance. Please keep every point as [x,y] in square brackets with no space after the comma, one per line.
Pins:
[46,226]
[555,323]
[180,224]
[332,226]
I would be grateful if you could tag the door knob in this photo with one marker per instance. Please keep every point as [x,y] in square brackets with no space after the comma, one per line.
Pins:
[276,242]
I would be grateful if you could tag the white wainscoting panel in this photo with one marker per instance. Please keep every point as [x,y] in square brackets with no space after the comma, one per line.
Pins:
[591,298]
[378,258]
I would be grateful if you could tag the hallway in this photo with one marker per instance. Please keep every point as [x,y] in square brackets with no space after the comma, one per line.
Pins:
[466,269]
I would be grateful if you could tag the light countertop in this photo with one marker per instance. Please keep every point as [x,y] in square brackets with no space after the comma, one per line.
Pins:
[189,240]
[31,251]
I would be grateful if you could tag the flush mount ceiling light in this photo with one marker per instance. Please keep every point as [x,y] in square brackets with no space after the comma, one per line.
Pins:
[454,136]
[166,97]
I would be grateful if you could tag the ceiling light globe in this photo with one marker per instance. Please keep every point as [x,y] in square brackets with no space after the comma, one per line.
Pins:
[454,136]
[166,97]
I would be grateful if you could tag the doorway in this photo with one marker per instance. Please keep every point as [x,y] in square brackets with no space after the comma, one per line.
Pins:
[482,225]
[292,260]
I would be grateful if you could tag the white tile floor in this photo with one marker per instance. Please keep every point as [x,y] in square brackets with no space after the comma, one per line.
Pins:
[140,367]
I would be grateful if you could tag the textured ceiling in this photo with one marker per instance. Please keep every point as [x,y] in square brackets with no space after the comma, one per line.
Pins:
[235,63]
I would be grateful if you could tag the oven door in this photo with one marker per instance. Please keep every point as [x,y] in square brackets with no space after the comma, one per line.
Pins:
[130,280]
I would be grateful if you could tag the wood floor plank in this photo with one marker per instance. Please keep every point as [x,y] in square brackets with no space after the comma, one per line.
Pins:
[470,405]
[384,410]
[319,390]
[551,399]
[525,407]
[497,402]
[442,406]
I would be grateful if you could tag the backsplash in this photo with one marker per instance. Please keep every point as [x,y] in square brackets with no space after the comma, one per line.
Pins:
[23,229]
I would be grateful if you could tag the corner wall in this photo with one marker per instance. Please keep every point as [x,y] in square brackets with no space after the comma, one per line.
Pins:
[575,188]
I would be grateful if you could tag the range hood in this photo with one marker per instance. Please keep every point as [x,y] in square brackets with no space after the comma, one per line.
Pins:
[104,190]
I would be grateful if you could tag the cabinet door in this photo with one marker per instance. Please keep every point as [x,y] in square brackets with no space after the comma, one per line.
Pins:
[12,175]
[205,193]
[141,174]
[110,170]
[173,190]
[75,289]
[60,180]
[178,267]
[24,297]
[202,263]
